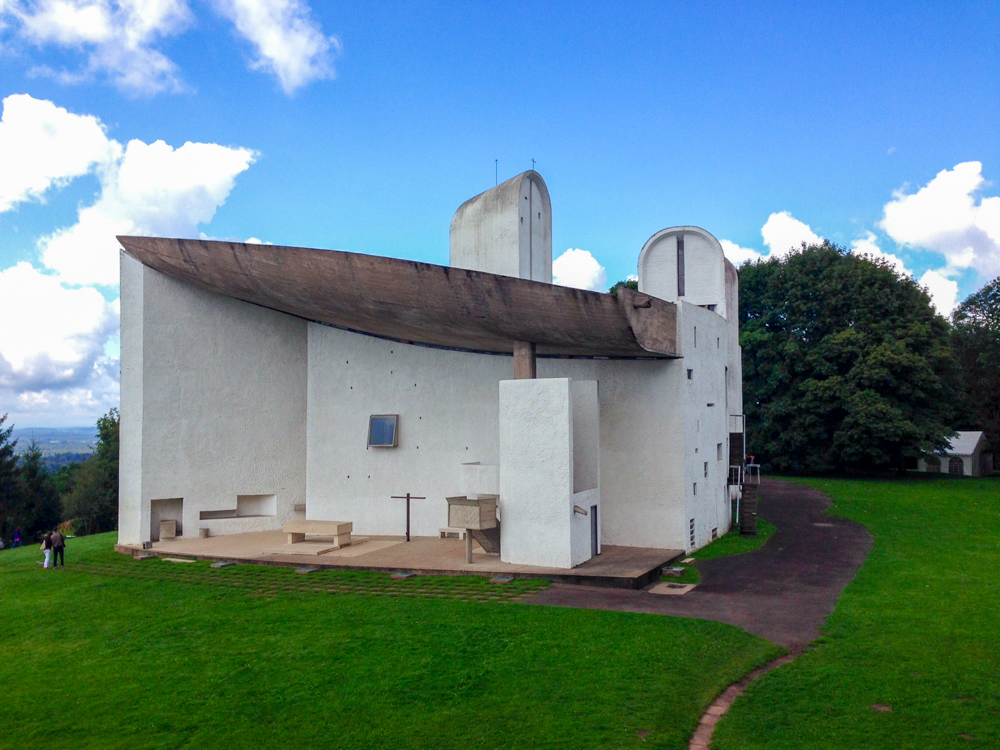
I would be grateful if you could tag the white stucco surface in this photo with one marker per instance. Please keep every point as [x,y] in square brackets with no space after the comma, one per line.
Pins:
[536,472]
[216,403]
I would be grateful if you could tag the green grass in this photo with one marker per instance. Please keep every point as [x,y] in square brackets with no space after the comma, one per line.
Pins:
[116,653]
[734,544]
[917,630]
[730,544]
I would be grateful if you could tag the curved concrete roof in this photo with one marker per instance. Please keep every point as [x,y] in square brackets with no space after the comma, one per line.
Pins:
[419,302]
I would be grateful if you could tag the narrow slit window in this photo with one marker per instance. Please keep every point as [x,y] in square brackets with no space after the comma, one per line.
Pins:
[690,374]
[680,266]
[706,469]
[382,431]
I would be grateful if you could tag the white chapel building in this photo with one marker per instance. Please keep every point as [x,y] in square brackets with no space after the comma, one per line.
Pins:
[263,384]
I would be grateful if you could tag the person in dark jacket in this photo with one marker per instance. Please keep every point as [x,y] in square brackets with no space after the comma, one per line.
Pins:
[17,538]
[58,549]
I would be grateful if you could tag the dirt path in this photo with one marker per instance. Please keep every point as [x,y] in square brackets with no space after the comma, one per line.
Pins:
[783,591]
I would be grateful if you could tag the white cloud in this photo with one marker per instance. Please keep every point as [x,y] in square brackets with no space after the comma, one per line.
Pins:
[55,336]
[580,269]
[59,352]
[738,255]
[943,291]
[867,246]
[287,41]
[154,189]
[945,217]
[119,38]
[43,146]
[784,234]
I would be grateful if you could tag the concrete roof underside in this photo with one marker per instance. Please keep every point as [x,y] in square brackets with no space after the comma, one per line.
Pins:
[420,303]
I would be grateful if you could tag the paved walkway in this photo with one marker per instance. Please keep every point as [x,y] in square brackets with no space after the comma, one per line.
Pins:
[783,591]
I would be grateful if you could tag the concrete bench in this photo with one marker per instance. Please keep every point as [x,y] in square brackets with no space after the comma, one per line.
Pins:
[340,530]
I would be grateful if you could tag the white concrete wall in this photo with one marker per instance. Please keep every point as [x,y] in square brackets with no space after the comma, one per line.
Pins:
[536,472]
[506,230]
[706,423]
[448,404]
[217,407]
[130,506]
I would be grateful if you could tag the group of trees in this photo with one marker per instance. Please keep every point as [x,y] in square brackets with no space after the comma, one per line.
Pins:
[847,366]
[36,500]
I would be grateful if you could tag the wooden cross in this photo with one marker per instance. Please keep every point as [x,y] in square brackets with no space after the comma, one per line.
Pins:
[407,497]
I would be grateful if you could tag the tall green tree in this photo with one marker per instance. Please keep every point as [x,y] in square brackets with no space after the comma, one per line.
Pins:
[38,508]
[976,342]
[9,495]
[93,500]
[845,363]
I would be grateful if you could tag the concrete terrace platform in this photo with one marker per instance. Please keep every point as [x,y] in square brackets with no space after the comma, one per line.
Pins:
[617,567]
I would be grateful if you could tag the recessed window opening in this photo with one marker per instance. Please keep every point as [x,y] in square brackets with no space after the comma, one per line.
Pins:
[690,374]
[711,308]
[706,469]
[718,342]
[718,451]
[382,431]
[696,337]
[680,266]
[694,488]
[691,531]
[711,405]
[715,533]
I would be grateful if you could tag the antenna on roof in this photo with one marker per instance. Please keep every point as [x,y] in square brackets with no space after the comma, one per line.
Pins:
[496,172]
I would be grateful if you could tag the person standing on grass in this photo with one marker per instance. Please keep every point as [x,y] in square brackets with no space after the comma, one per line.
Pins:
[58,549]
[47,549]
[17,538]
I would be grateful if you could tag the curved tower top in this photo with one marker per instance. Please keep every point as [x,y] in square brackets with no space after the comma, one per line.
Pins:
[507,230]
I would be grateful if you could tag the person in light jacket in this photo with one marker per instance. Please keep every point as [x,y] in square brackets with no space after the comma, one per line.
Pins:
[47,550]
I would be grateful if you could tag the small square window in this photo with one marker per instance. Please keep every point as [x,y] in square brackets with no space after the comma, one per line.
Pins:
[382,431]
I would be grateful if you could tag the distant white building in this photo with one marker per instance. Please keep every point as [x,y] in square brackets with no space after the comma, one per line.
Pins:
[964,456]
[261,384]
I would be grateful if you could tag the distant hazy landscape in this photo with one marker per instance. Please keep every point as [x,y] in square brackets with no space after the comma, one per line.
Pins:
[59,445]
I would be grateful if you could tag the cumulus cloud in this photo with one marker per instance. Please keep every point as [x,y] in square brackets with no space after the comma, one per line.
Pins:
[784,234]
[738,255]
[868,246]
[120,39]
[287,41]
[59,350]
[578,268]
[153,189]
[55,336]
[943,291]
[946,217]
[43,146]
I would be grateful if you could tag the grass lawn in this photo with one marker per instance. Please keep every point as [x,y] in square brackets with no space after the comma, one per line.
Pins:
[117,653]
[729,544]
[918,631]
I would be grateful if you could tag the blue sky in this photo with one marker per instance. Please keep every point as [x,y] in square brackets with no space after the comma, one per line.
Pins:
[363,126]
